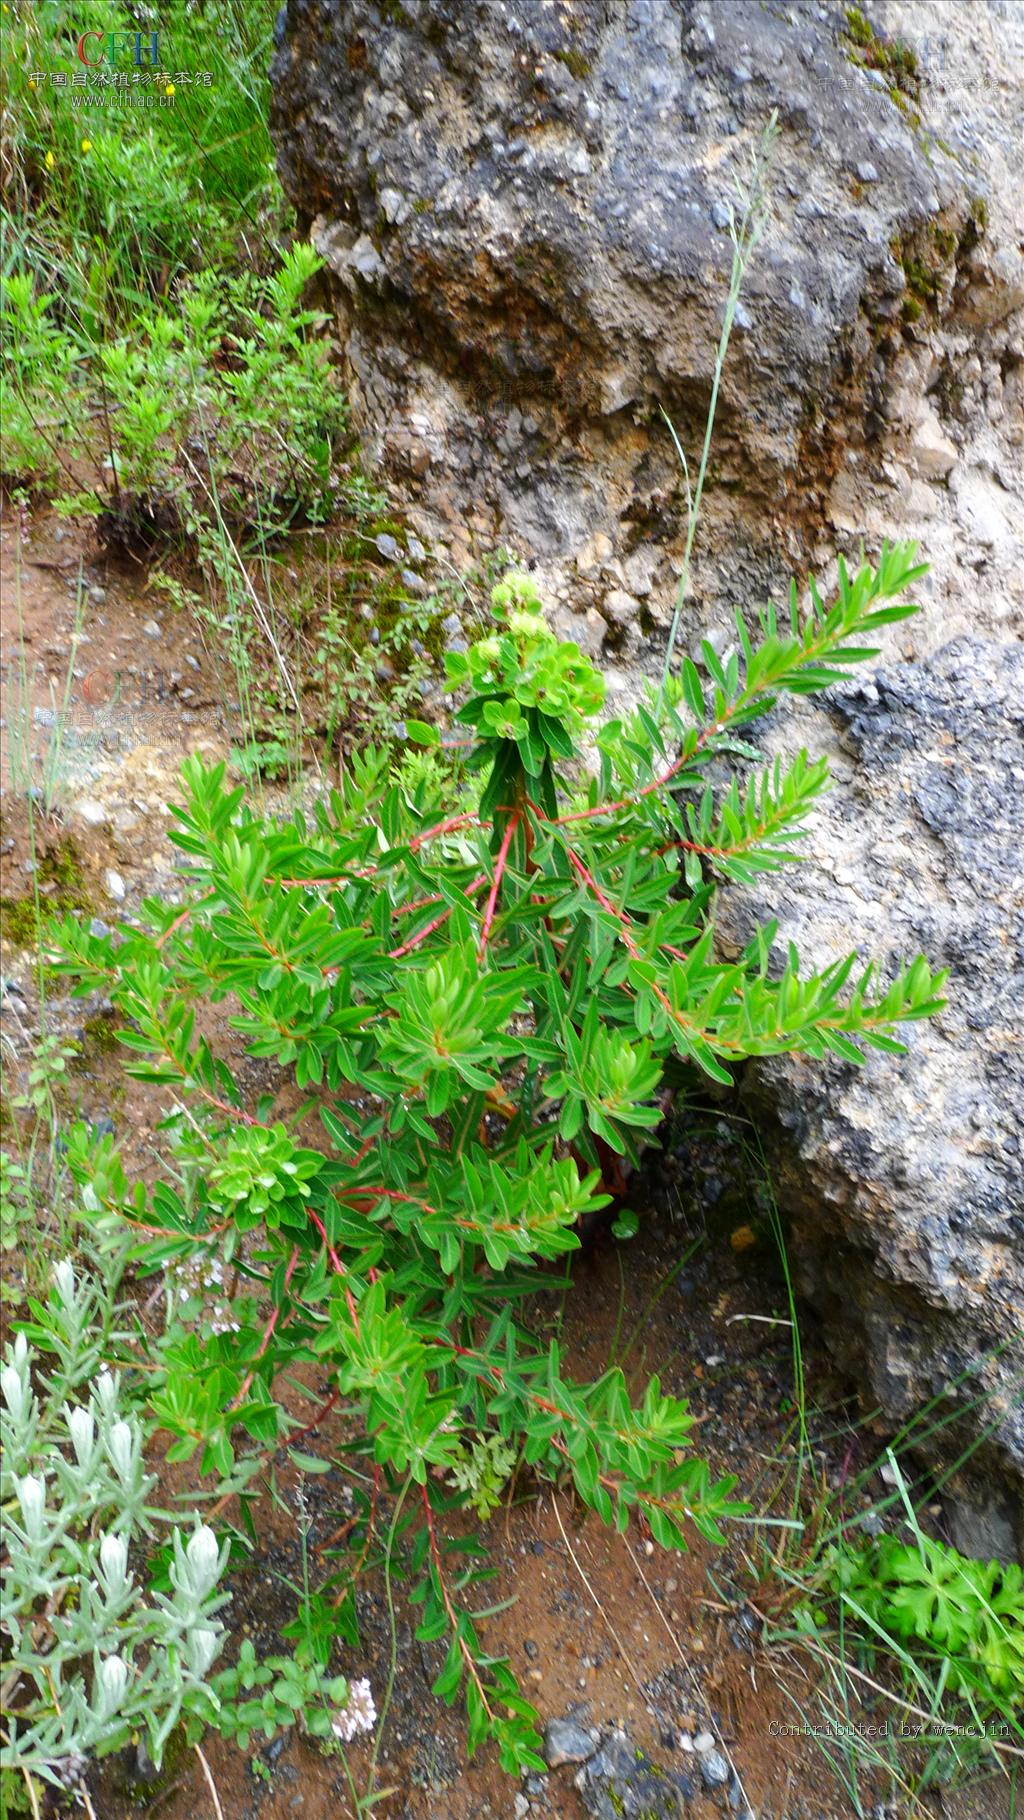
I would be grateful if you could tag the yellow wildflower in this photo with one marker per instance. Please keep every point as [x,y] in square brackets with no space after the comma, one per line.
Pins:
[87,145]
[49,161]
[169,90]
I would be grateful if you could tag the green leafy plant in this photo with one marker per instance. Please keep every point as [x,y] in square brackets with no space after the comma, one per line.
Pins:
[477,977]
[219,417]
[483,1471]
[110,195]
[926,1642]
[17,1213]
[965,1615]
[37,376]
[265,1695]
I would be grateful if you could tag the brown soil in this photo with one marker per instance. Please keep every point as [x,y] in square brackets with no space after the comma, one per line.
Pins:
[605,1627]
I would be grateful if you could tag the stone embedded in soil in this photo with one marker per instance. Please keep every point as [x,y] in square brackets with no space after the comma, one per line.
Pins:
[620,1782]
[567,1742]
[116,887]
[933,453]
[714,1769]
[89,810]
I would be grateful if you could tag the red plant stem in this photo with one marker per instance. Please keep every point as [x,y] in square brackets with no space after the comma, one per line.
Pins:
[465,1352]
[233,1112]
[421,903]
[605,902]
[370,1192]
[333,878]
[375,1191]
[626,802]
[371,1521]
[183,918]
[339,1268]
[421,936]
[267,1332]
[341,878]
[499,870]
[395,954]
[678,1017]
[323,1410]
[656,783]
[424,903]
[353,1162]
[467,1654]
[448,827]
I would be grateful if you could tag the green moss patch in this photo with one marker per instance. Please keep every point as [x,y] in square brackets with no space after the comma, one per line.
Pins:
[873,50]
[60,891]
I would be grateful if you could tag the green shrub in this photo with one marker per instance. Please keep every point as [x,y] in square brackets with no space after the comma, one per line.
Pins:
[214,419]
[38,381]
[477,980]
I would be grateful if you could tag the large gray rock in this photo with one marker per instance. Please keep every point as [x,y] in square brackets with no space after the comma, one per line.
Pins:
[525,209]
[904,1181]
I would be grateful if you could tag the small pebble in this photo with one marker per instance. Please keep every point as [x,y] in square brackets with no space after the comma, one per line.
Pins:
[116,887]
[152,630]
[714,1770]
[567,1742]
[89,810]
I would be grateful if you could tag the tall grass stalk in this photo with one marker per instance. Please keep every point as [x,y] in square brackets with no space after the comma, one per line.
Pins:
[745,231]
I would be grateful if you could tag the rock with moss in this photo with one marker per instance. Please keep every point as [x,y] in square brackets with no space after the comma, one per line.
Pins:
[620,1782]
[527,217]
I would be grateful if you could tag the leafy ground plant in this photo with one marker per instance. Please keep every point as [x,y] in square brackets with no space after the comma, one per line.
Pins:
[112,189]
[213,418]
[478,981]
[946,1629]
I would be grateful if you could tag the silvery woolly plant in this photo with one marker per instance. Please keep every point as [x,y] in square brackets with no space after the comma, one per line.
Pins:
[93,1653]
